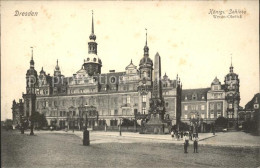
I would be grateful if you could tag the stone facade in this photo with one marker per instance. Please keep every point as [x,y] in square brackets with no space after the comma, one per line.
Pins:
[207,104]
[115,95]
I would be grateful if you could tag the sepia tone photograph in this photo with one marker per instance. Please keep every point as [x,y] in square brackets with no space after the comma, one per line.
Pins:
[130,84]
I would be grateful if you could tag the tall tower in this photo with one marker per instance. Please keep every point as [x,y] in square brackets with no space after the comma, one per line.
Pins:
[92,64]
[145,83]
[31,84]
[232,95]
[146,66]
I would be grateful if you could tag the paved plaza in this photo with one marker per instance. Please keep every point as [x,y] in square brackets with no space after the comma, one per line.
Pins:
[108,149]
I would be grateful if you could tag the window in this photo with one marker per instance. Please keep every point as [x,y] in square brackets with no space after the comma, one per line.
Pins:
[81,91]
[113,79]
[197,107]
[143,110]
[60,113]
[203,116]
[230,116]
[211,106]
[202,107]
[230,106]
[219,106]
[47,104]
[192,115]
[116,112]
[211,115]
[202,97]
[74,113]
[144,98]
[218,114]
[185,107]
[192,107]
[185,116]
[186,97]
[145,74]
[128,99]
[194,96]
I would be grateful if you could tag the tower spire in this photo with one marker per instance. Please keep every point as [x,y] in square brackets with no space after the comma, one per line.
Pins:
[231,66]
[92,24]
[57,68]
[146,37]
[146,48]
[32,53]
[92,35]
[32,61]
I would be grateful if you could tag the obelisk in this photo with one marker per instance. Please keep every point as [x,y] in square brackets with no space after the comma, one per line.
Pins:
[156,112]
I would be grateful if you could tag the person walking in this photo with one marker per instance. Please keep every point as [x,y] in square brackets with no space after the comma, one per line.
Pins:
[186,143]
[195,144]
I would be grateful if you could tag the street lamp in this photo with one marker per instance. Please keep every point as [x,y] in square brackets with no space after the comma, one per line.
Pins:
[86,121]
[120,132]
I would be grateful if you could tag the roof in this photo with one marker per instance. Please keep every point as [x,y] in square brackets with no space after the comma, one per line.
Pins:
[215,81]
[131,65]
[107,77]
[250,104]
[200,92]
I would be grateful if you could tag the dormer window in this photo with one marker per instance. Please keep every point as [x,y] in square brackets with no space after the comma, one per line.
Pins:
[194,97]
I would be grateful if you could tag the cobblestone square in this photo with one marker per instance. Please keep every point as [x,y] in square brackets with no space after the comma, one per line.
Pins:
[50,149]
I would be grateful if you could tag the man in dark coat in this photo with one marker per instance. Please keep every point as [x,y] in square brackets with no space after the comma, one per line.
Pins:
[195,144]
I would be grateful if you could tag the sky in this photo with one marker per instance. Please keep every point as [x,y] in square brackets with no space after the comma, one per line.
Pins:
[190,41]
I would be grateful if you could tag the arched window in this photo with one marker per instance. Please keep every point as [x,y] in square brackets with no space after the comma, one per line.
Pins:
[145,74]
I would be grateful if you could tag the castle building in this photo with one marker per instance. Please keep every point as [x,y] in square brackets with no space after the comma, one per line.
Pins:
[251,110]
[207,104]
[124,94]
[115,95]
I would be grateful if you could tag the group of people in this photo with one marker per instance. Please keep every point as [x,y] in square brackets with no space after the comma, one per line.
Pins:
[186,136]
